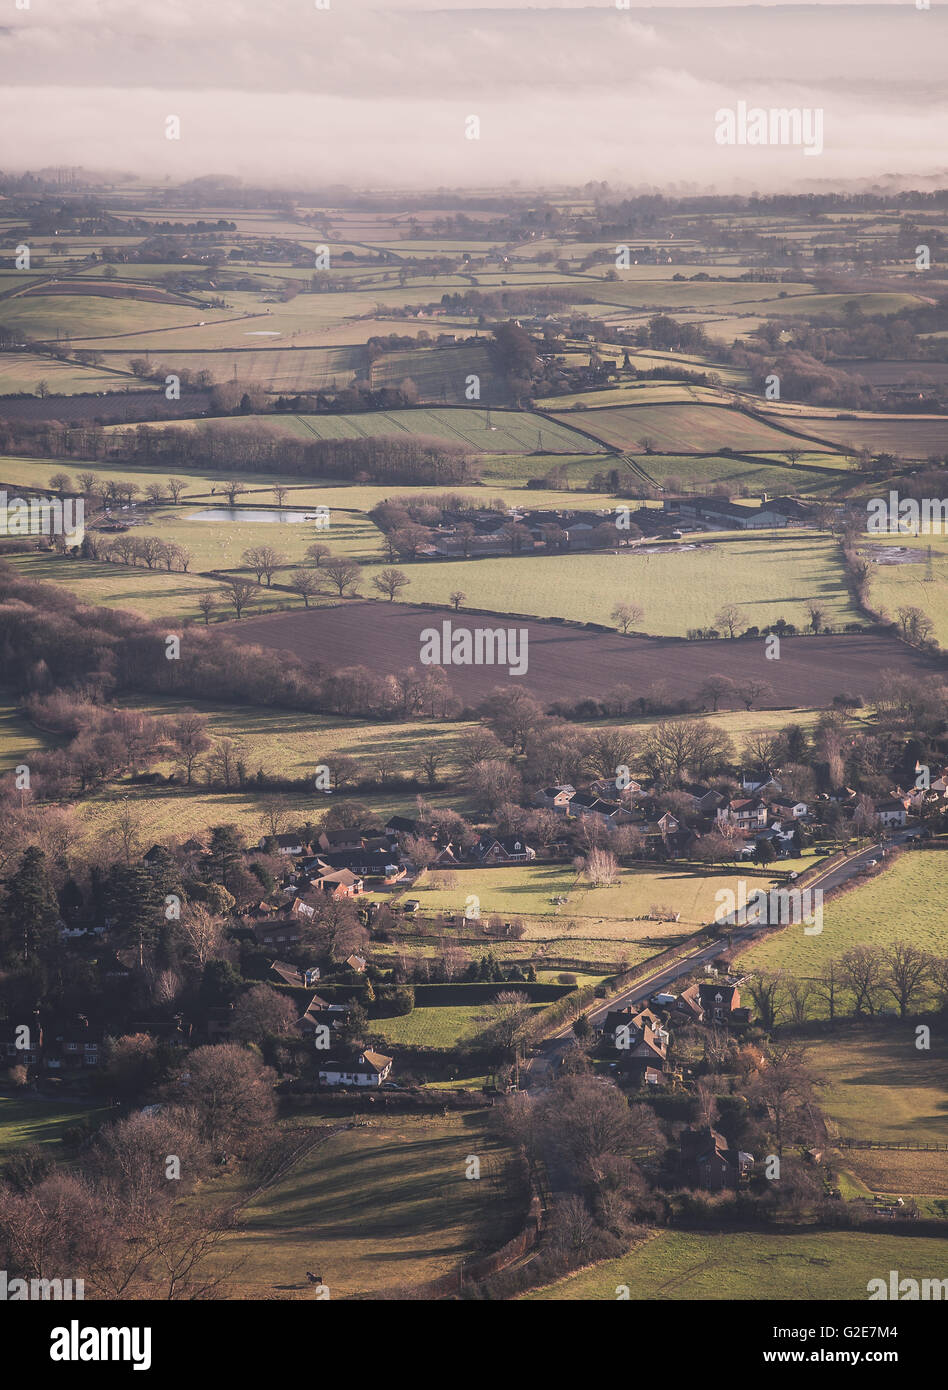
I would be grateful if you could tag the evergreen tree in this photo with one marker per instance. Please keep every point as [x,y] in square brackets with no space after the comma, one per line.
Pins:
[31,910]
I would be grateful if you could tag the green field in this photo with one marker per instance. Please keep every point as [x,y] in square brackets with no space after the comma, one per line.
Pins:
[508,432]
[750,1265]
[880,1086]
[442,1028]
[286,743]
[382,1207]
[24,371]
[153,593]
[679,589]
[904,902]
[96,316]
[682,428]
[916,585]
[18,738]
[603,913]
[29,1120]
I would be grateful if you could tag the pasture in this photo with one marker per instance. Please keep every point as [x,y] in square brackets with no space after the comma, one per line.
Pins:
[903,902]
[746,1266]
[379,1207]
[684,428]
[678,587]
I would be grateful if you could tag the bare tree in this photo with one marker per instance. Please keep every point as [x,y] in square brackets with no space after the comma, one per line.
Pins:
[390,582]
[343,573]
[207,603]
[627,615]
[730,619]
[304,583]
[317,552]
[240,593]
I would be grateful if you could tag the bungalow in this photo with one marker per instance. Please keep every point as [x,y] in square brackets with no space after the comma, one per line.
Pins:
[789,810]
[357,963]
[362,1069]
[758,780]
[608,813]
[508,849]
[341,840]
[279,931]
[400,825]
[340,883]
[319,1013]
[707,1161]
[284,844]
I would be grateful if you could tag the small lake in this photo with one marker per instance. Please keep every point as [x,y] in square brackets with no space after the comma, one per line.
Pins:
[249,514]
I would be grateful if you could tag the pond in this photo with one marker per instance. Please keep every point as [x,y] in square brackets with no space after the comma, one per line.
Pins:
[250,514]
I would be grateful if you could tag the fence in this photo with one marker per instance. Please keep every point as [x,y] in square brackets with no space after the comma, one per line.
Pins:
[908,1144]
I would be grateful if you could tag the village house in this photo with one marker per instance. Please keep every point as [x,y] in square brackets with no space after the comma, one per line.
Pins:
[747,813]
[340,883]
[891,812]
[721,1002]
[294,975]
[279,930]
[284,844]
[319,1013]
[707,1161]
[507,849]
[363,1069]
[555,798]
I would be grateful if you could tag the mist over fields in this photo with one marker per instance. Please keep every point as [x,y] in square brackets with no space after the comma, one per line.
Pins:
[378,93]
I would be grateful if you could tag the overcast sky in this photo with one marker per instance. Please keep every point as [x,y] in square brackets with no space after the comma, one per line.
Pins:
[377,92]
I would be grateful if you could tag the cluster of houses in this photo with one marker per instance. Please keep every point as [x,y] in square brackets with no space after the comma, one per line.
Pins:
[758,811]
[639,1036]
[745,817]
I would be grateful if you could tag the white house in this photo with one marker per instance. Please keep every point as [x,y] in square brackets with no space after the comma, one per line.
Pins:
[890,812]
[364,1069]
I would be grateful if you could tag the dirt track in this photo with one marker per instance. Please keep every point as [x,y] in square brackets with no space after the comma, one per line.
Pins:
[570,664]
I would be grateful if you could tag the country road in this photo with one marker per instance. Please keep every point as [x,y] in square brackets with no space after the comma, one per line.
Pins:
[540,1069]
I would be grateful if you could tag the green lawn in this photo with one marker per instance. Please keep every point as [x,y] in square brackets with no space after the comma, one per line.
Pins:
[437,1027]
[921,585]
[752,1265]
